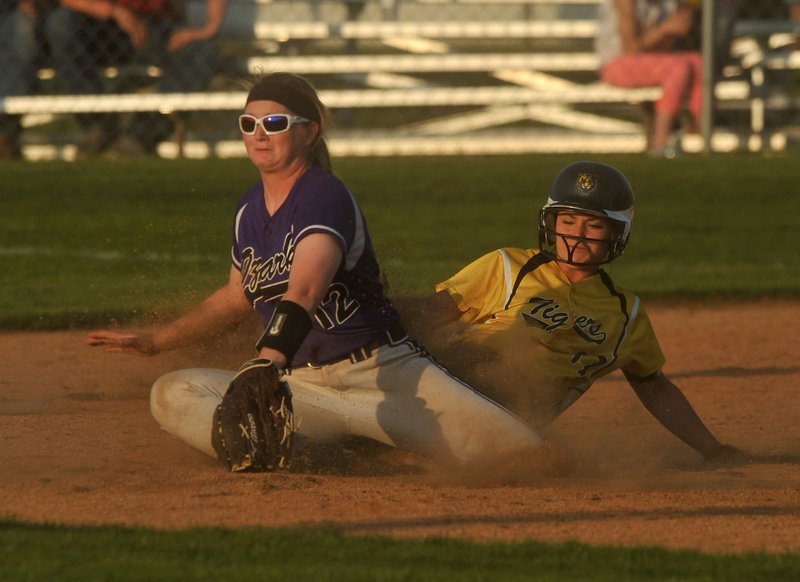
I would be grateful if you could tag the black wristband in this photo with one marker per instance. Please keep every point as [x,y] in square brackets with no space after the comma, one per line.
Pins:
[286,330]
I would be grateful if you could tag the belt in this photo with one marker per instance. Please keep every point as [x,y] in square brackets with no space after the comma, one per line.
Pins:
[394,335]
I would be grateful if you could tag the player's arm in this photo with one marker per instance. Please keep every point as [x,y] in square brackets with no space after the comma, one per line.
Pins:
[660,37]
[222,310]
[421,315]
[316,259]
[667,403]
[129,21]
[215,14]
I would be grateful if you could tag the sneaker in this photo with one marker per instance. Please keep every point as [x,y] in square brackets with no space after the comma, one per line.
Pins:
[668,152]
[96,140]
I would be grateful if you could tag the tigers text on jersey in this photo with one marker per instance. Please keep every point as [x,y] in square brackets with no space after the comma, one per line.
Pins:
[355,310]
[559,336]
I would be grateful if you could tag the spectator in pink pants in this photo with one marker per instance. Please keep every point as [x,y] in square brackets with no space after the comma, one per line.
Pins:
[637,43]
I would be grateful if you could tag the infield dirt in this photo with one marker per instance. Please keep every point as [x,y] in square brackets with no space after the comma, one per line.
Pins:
[79,447]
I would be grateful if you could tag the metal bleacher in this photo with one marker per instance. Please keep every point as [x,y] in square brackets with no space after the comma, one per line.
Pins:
[420,77]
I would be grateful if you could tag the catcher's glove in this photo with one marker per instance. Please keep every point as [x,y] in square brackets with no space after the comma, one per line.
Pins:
[253,425]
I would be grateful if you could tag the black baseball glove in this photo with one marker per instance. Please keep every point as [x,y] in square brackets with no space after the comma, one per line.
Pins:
[253,425]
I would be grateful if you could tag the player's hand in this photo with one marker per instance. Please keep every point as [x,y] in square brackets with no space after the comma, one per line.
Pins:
[679,24]
[276,357]
[133,25]
[136,344]
[183,37]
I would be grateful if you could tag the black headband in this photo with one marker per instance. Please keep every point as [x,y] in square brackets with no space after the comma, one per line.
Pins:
[286,96]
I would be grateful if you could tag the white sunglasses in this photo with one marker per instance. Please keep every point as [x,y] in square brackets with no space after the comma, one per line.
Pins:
[270,124]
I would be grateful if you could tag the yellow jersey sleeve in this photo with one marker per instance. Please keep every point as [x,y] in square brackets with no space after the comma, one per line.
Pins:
[479,288]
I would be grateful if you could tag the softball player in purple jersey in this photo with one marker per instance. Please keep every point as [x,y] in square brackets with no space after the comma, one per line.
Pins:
[303,260]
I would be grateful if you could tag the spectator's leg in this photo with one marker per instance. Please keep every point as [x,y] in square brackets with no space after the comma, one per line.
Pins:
[671,71]
[695,61]
[17,58]
[648,117]
[70,36]
[187,70]
[678,78]
[390,9]
[354,10]
[190,69]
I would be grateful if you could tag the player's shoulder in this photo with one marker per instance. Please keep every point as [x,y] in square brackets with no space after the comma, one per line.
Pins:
[505,261]
[515,257]
[514,254]
[323,191]
[317,180]
[252,194]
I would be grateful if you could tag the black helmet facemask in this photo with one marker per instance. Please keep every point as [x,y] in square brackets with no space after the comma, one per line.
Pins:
[573,242]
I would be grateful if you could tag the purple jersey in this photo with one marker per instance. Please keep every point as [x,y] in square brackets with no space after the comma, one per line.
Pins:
[355,310]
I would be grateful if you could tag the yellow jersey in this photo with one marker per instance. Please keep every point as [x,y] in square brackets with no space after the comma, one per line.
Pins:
[538,341]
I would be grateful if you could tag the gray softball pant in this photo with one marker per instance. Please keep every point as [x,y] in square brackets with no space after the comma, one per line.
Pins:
[398,396]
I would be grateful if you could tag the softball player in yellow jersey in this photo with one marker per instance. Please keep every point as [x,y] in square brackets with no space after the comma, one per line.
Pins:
[558,317]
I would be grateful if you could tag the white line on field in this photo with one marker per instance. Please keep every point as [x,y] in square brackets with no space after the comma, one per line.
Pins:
[153,257]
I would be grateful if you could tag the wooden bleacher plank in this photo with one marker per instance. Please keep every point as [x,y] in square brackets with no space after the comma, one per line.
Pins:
[484,143]
[765,27]
[348,98]
[282,31]
[555,115]
[424,63]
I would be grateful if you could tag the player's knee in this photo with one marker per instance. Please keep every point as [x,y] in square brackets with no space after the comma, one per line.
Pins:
[165,396]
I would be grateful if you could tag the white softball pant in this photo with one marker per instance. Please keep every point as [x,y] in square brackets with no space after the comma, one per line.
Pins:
[398,396]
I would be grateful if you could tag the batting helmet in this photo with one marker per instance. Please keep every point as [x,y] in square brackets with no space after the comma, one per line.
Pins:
[589,188]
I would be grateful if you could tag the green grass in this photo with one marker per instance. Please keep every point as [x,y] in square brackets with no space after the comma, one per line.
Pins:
[87,242]
[82,243]
[42,552]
